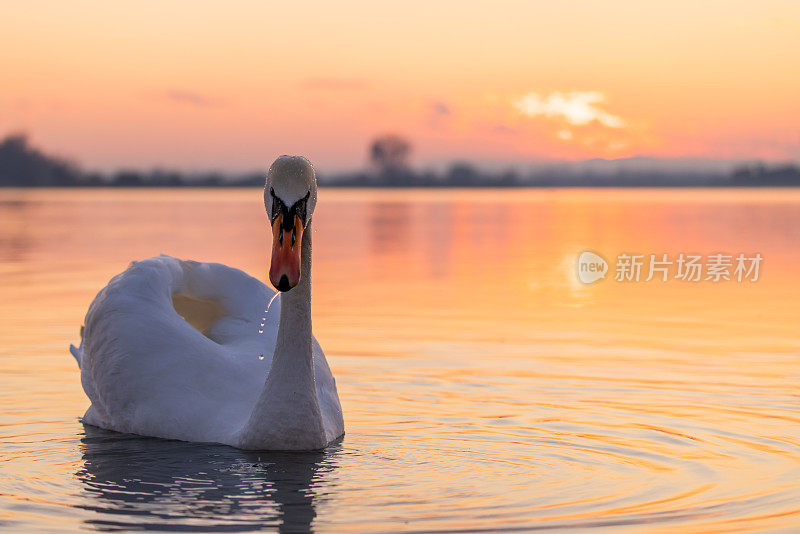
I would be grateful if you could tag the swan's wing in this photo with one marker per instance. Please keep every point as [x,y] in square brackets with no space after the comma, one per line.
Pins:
[242,300]
[148,371]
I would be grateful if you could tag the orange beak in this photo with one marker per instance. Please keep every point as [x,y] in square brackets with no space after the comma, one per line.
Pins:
[284,270]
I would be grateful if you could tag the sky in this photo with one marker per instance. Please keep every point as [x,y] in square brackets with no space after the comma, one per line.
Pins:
[230,85]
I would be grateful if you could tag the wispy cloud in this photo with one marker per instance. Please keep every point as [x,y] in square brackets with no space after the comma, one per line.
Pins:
[439,115]
[576,107]
[564,135]
[191,98]
[334,84]
[503,129]
[440,108]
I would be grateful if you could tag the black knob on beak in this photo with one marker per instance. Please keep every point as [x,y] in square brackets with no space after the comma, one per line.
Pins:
[283,284]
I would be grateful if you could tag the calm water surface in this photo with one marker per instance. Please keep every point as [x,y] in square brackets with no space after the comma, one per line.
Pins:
[483,387]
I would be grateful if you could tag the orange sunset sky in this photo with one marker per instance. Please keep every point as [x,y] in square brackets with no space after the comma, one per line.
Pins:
[228,85]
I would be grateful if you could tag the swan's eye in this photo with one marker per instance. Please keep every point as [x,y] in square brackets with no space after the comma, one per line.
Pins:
[277,205]
[300,207]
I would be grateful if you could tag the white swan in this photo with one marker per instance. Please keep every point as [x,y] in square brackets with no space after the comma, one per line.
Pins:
[172,348]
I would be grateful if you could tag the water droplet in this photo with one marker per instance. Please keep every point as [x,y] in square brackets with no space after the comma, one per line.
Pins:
[272,300]
[264,319]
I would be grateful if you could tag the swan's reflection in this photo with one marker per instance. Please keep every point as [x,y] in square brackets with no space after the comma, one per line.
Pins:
[153,484]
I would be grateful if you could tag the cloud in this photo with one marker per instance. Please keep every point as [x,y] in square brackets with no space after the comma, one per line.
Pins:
[438,115]
[503,129]
[191,98]
[576,107]
[334,84]
[440,108]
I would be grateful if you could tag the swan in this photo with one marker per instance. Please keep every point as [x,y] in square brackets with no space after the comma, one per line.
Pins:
[186,350]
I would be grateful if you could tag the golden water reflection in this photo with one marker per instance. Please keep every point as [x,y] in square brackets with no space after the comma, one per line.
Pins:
[483,385]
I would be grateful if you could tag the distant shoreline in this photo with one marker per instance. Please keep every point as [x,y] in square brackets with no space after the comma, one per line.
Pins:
[421,187]
[24,166]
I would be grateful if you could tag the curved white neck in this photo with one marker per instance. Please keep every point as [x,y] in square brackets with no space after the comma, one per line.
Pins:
[287,414]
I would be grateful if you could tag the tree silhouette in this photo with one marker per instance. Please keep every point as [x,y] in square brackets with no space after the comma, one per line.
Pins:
[21,165]
[389,153]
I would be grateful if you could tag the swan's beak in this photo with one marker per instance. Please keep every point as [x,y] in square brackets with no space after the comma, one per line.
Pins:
[284,270]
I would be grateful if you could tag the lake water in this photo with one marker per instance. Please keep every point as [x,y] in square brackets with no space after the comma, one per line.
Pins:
[483,386]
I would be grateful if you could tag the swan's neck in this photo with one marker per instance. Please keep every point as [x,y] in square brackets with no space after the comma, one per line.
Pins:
[287,414]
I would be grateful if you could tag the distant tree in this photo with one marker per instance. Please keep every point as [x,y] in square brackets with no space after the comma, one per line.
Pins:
[23,166]
[463,174]
[390,152]
[759,174]
[163,178]
[508,178]
[127,178]
[389,155]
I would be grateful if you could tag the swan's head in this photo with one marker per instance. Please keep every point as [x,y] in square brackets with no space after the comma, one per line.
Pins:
[290,196]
